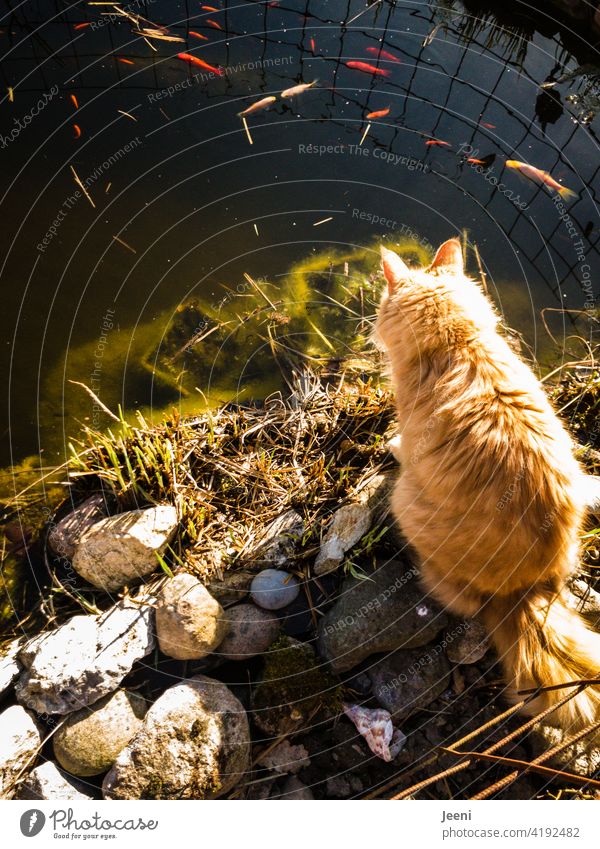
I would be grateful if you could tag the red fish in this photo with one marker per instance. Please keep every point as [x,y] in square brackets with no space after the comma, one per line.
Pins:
[125,61]
[383,54]
[213,23]
[193,60]
[82,26]
[368,69]
[381,113]
[431,142]
[77,129]
[198,35]
[210,8]
[74,101]
[488,126]
[312,45]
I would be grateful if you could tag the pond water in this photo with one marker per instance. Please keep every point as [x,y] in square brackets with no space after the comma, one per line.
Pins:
[181,201]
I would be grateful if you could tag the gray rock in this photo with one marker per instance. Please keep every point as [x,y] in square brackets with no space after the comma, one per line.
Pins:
[280,539]
[348,525]
[190,623]
[90,739]
[9,664]
[19,741]
[120,549]
[285,758]
[64,537]
[84,659]
[251,632]
[273,589]
[379,614]
[467,643]
[232,588]
[194,744]
[409,680]
[294,789]
[582,758]
[47,781]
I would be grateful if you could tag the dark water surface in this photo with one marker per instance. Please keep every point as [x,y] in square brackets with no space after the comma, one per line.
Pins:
[177,180]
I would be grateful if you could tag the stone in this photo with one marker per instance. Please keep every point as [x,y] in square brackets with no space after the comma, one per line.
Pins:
[121,549]
[194,743]
[10,666]
[89,740]
[232,588]
[64,536]
[294,789]
[280,540]
[285,758]
[190,623]
[580,758]
[20,740]
[47,781]
[84,659]
[251,632]
[409,680]
[381,613]
[348,525]
[274,589]
[467,643]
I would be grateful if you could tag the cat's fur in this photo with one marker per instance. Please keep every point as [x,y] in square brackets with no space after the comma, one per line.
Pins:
[489,491]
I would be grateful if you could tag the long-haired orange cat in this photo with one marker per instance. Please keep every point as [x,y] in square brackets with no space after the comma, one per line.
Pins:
[489,493]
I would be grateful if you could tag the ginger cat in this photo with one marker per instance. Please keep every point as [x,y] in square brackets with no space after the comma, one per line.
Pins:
[489,493]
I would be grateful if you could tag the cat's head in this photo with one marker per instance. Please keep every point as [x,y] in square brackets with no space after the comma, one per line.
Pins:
[432,305]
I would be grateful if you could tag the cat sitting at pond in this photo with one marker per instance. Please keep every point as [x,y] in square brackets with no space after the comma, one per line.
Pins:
[489,493]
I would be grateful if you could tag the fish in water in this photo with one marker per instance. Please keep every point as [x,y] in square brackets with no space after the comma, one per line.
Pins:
[381,113]
[260,104]
[431,142]
[383,54]
[540,176]
[297,89]
[486,161]
[368,69]
[193,60]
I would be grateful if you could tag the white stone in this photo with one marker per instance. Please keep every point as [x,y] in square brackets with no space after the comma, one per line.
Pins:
[84,659]
[190,623]
[121,549]
[47,781]
[9,664]
[20,738]
[349,524]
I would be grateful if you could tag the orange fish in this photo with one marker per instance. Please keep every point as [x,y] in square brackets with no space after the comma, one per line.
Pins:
[381,113]
[125,61]
[74,101]
[77,129]
[82,26]
[198,35]
[488,126]
[312,45]
[368,69]
[213,23]
[383,54]
[193,60]
[297,89]
[431,142]
[539,176]
[476,161]
[260,104]
[210,8]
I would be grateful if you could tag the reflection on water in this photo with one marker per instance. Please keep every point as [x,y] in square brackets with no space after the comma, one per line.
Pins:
[135,201]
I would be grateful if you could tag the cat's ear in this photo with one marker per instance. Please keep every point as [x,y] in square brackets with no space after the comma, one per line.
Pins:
[395,270]
[449,257]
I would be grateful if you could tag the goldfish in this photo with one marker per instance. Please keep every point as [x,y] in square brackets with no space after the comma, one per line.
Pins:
[431,142]
[198,35]
[82,26]
[488,126]
[77,129]
[297,89]
[383,54]
[312,45]
[74,101]
[193,60]
[260,104]
[486,161]
[213,23]
[381,113]
[210,8]
[539,176]
[368,69]
[125,61]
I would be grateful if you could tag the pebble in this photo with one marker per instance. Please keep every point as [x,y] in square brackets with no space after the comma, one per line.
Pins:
[273,589]
[348,525]
[251,632]
[190,623]
[409,680]
[467,645]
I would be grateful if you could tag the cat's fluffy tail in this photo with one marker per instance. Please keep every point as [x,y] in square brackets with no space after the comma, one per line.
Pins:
[541,642]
